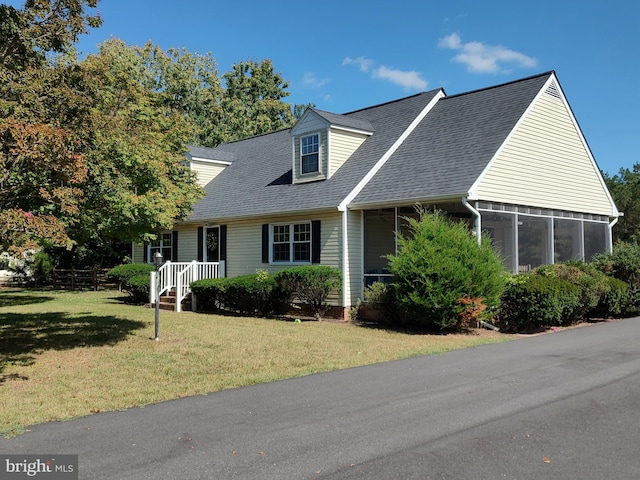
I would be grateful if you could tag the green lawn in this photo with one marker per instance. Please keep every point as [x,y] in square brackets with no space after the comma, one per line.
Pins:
[69,354]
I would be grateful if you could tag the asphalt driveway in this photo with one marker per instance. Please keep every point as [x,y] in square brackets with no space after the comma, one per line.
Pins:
[561,405]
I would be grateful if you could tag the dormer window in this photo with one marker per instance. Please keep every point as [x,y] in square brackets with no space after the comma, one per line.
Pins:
[310,154]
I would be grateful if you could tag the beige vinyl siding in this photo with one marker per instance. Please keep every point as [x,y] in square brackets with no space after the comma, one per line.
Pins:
[206,171]
[244,244]
[545,164]
[310,177]
[312,123]
[343,144]
[137,253]
[187,244]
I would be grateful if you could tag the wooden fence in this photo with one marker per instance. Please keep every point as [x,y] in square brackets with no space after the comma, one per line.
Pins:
[74,279]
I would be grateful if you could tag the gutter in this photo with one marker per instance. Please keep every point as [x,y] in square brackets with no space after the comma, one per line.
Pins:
[477,221]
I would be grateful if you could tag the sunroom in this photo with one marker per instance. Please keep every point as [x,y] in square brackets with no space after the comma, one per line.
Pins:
[524,237]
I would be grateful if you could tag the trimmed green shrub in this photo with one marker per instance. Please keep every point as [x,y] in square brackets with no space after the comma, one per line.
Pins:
[122,273]
[138,288]
[624,264]
[614,302]
[533,302]
[253,293]
[209,293]
[439,267]
[247,294]
[591,281]
[133,278]
[311,285]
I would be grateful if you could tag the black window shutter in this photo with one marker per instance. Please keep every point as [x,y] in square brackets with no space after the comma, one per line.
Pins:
[223,243]
[265,243]
[200,244]
[145,252]
[174,246]
[315,241]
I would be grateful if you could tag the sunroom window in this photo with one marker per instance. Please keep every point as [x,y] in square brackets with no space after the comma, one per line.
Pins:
[291,243]
[310,154]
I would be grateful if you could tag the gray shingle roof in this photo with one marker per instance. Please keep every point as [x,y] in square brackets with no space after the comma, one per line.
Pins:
[442,157]
[211,153]
[450,148]
[256,183]
[345,120]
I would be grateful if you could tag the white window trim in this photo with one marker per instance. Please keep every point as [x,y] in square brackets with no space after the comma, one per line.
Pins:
[161,247]
[291,244]
[316,172]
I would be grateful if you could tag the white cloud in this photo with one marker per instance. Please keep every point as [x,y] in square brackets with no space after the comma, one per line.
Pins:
[482,58]
[310,80]
[409,80]
[363,63]
[450,41]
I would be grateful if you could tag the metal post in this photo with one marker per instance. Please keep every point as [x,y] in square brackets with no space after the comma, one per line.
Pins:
[157,260]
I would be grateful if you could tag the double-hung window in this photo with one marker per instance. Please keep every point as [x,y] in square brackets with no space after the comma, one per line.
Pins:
[310,154]
[291,243]
[162,244]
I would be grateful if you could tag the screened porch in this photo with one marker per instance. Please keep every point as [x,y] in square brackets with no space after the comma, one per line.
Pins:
[525,237]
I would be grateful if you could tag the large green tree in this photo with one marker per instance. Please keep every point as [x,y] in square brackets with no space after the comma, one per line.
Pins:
[625,190]
[252,102]
[138,182]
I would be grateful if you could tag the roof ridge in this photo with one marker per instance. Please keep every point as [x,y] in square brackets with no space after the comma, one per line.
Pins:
[392,101]
[531,77]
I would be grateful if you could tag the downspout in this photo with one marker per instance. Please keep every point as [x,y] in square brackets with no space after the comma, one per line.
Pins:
[613,222]
[477,222]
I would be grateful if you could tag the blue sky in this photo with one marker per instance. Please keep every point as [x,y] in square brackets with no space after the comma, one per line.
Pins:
[342,55]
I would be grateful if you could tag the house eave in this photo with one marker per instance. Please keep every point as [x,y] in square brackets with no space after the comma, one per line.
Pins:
[407,201]
[209,160]
[238,218]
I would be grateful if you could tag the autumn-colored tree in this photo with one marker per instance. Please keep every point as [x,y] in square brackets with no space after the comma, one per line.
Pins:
[93,152]
[42,163]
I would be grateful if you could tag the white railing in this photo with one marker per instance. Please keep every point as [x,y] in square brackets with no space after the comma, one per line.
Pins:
[179,275]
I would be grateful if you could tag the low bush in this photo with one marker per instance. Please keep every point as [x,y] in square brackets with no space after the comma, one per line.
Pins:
[533,302]
[122,273]
[209,293]
[134,279]
[614,302]
[592,282]
[253,293]
[379,295]
[138,288]
[247,294]
[439,267]
[311,285]
[623,263]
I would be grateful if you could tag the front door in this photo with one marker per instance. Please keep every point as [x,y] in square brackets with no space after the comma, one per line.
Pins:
[212,244]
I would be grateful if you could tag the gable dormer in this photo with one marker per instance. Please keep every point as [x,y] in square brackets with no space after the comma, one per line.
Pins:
[323,141]
[208,162]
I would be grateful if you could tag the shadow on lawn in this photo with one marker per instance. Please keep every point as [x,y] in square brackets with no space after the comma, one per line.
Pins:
[13,300]
[25,335]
